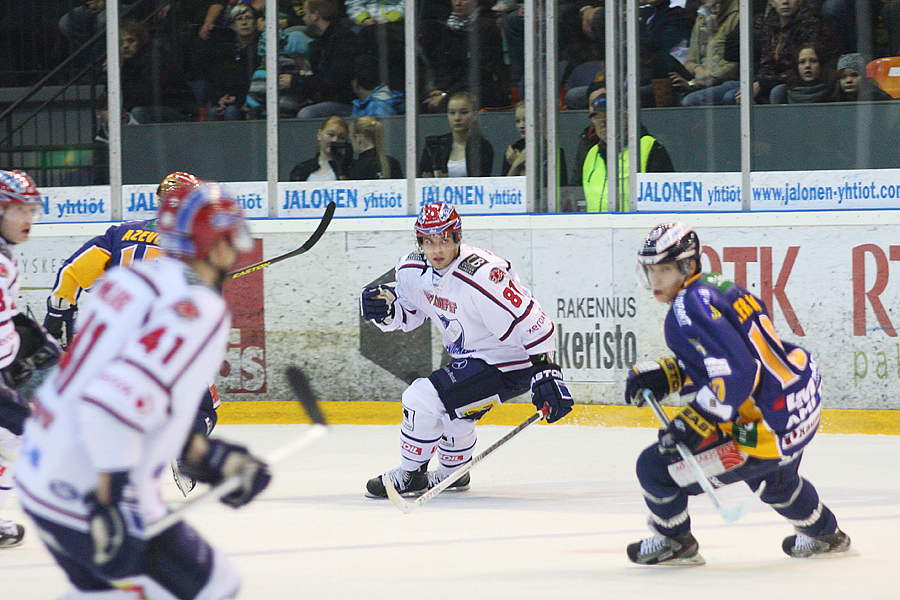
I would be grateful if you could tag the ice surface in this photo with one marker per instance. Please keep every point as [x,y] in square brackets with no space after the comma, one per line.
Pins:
[547,516]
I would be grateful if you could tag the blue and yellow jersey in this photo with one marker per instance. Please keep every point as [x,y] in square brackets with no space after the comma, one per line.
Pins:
[120,245]
[764,391]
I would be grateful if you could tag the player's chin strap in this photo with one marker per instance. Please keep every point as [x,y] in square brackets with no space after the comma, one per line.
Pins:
[730,515]
[407,507]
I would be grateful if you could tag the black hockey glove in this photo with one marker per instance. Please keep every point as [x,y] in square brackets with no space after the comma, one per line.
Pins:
[693,427]
[60,322]
[377,303]
[224,460]
[37,350]
[107,526]
[549,389]
[662,377]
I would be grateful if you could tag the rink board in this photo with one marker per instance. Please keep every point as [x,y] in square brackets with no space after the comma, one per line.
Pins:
[388,413]
[830,279]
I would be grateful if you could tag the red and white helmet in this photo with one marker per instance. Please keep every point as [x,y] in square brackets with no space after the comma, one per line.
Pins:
[208,212]
[438,218]
[173,188]
[17,187]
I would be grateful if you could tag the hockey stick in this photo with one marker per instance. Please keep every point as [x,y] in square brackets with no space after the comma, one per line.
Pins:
[407,507]
[323,225]
[300,386]
[730,515]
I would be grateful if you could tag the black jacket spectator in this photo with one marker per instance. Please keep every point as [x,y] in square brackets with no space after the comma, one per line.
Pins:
[150,78]
[479,155]
[367,166]
[227,65]
[470,59]
[331,62]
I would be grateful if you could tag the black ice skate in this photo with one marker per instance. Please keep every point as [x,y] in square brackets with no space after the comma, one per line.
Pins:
[11,534]
[407,483]
[825,546]
[460,485]
[682,550]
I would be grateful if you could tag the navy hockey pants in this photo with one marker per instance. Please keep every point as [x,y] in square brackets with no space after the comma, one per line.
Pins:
[790,495]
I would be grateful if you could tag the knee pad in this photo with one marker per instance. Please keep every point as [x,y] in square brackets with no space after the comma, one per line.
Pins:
[422,409]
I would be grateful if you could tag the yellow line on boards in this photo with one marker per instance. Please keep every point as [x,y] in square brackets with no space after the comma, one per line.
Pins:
[388,413]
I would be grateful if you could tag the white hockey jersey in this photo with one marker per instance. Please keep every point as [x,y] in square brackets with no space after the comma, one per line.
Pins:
[126,392]
[478,304]
[9,293]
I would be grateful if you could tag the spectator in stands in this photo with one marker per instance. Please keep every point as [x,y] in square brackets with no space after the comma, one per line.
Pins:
[372,98]
[154,89]
[326,90]
[705,63]
[293,51]
[228,59]
[83,22]
[853,85]
[381,34]
[514,157]
[463,152]
[852,21]
[810,82]
[590,160]
[333,154]
[575,45]
[785,29]
[372,162]
[890,18]
[466,54]
[663,32]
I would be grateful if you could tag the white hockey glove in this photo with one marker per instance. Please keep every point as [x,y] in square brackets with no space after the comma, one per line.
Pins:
[377,303]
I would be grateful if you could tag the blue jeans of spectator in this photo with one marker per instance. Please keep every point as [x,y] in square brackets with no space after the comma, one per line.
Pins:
[324,110]
[723,93]
[229,113]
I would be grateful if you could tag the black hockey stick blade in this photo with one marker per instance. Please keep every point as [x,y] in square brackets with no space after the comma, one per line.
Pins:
[302,390]
[323,225]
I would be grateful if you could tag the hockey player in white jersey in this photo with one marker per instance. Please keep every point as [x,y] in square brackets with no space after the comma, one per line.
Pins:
[120,407]
[500,341]
[24,345]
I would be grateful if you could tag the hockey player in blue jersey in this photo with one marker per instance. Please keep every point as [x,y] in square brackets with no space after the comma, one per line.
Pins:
[757,406]
[122,244]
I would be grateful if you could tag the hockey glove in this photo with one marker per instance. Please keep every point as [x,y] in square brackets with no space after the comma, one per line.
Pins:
[224,460]
[37,350]
[693,427]
[662,377]
[377,303]
[60,319]
[549,389]
[107,526]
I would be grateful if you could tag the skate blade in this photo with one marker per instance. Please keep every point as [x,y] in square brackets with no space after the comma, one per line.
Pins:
[696,560]
[851,551]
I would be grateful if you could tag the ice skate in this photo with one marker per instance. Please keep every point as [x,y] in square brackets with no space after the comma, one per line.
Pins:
[184,482]
[11,534]
[460,485]
[407,483]
[824,546]
[681,551]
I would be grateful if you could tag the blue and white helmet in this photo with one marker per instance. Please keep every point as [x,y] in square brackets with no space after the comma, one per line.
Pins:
[669,242]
